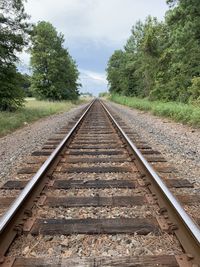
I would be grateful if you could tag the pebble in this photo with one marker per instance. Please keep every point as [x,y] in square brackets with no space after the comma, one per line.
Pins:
[48,238]
[104,245]
[177,142]
[15,147]
[25,250]
[65,243]
[95,245]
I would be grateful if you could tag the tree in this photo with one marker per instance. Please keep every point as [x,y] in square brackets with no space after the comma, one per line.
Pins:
[14,31]
[133,71]
[26,84]
[183,21]
[194,90]
[114,69]
[161,59]
[11,92]
[55,73]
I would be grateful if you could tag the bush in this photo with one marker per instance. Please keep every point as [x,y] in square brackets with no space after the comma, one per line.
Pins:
[104,94]
[194,89]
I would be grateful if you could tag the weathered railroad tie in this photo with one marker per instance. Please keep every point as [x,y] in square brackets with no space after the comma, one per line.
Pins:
[96,201]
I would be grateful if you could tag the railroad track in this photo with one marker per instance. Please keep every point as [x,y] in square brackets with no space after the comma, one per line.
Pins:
[96,201]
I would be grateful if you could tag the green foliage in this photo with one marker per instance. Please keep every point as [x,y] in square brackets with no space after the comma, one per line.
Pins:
[194,90]
[133,71]
[180,112]
[13,37]
[161,59]
[14,30]
[55,73]
[104,94]
[26,84]
[184,25]
[114,71]
[135,102]
[11,93]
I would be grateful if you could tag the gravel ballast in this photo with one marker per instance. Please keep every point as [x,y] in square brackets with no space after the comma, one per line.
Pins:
[179,144]
[15,147]
[148,239]
[93,245]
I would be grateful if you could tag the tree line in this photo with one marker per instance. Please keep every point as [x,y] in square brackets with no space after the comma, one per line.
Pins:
[161,60]
[54,73]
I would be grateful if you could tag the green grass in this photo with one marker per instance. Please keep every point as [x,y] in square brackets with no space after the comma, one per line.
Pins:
[185,113]
[33,110]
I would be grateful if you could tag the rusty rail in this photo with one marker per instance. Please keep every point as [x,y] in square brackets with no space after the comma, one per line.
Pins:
[187,231]
[183,226]
[8,229]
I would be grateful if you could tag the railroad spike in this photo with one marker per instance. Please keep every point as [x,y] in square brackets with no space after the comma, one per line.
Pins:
[28,212]
[2,259]
[189,256]
[147,183]
[172,228]
[87,176]
[162,210]
[18,229]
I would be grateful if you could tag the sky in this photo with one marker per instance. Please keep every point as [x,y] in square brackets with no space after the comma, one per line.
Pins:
[93,30]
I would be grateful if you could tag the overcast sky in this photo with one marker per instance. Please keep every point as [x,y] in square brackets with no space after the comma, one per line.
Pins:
[93,29]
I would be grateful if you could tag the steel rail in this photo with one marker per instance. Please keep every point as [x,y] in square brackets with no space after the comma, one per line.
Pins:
[192,228]
[15,206]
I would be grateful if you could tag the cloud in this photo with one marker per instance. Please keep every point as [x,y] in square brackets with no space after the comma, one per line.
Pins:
[94,82]
[24,62]
[99,78]
[93,29]
[100,20]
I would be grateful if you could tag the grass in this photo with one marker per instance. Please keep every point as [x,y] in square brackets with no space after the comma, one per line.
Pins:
[32,111]
[185,113]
